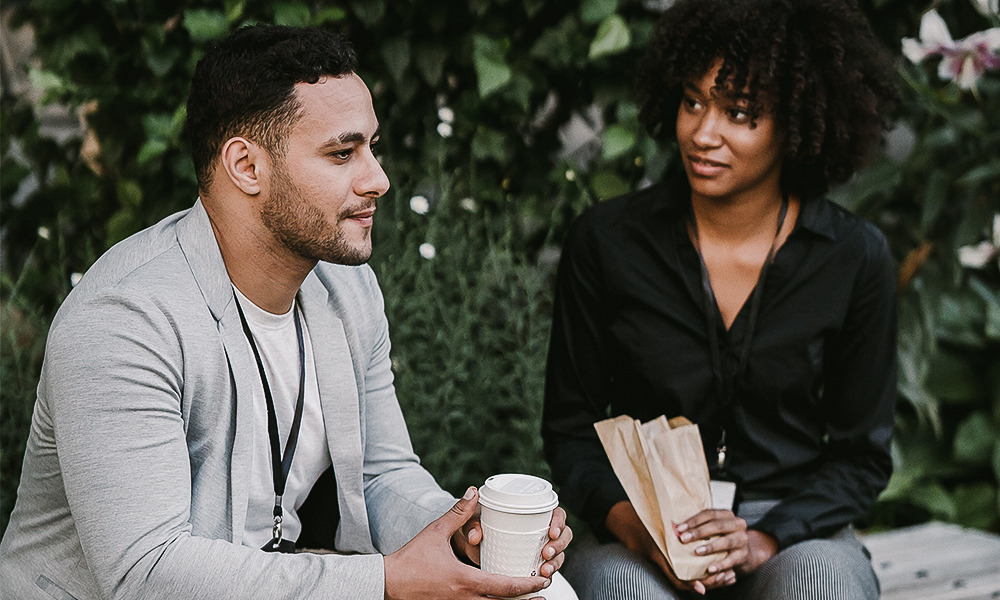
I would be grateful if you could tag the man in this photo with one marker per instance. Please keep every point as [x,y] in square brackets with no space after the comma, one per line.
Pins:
[208,372]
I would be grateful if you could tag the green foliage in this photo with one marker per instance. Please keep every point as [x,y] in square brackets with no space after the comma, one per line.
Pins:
[477,101]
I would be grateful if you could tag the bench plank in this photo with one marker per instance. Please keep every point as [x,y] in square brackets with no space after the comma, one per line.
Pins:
[936,561]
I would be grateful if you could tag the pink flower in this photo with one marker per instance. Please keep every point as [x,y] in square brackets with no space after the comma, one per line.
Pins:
[963,61]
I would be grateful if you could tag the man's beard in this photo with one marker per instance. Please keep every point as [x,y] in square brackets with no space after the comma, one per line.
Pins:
[302,228]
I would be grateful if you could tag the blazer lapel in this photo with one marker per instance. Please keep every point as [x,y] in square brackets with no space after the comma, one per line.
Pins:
[338,392]
[197,241]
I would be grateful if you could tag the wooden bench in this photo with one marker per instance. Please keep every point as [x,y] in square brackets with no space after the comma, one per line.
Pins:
[936,561]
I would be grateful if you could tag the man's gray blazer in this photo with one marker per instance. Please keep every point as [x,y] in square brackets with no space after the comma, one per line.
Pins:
[137,466]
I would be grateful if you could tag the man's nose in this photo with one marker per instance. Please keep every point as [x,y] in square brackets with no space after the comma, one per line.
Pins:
[374,182]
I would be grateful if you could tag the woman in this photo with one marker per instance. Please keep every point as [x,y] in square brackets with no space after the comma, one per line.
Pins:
[736,295]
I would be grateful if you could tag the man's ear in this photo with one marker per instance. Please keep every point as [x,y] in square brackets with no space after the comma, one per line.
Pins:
[244,163]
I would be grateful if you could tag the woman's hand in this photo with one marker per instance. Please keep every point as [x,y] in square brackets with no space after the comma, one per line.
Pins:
[745,549]
[625,524]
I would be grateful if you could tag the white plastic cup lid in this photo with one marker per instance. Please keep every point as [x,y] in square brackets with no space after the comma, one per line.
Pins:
[518,494]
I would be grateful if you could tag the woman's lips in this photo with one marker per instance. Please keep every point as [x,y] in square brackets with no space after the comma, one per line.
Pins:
[705,167]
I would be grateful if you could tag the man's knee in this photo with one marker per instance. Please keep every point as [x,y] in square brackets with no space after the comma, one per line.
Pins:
[834,569]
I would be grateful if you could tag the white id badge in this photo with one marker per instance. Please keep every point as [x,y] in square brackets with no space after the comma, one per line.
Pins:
[723,494]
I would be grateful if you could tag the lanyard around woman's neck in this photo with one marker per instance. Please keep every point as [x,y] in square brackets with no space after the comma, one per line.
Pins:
[281,464]
[725,385]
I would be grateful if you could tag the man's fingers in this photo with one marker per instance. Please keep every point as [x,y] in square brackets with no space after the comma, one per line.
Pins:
[508,587]
[475,533]
[460,513]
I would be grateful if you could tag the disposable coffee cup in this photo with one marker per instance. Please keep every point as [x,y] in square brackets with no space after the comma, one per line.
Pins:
[516,512]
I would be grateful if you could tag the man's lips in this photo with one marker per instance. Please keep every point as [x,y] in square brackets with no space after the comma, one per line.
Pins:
[706,167]
[363,217]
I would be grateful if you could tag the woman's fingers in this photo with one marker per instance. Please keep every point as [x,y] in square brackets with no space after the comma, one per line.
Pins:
[709,523]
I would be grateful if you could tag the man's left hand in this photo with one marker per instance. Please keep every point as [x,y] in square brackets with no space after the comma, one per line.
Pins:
[467,539]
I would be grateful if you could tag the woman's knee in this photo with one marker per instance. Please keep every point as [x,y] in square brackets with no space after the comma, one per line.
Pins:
[817,570]
[612,572]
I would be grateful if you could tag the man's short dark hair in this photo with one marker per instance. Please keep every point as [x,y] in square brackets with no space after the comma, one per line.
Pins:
[244,86]
[813,65]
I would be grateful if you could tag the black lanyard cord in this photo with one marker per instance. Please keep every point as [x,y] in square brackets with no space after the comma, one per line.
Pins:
[281,464]
[725,384]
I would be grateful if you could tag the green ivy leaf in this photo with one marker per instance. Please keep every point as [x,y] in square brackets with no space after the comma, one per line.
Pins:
[594,11]
[234,10]
[158,125]
[369,12]
[608,184]
[519,91]
[975,438]
[618,140]
[975,504]
[121,225]
[981,174]
[152,149]
[952,378]
[934,499]
[396,53]
[204,24]
[557,46]
[996,461]
[489,143]
[330,14]
[935,197]
[129,194]
[492,72]
[292,14]
[430,62]
[612,37]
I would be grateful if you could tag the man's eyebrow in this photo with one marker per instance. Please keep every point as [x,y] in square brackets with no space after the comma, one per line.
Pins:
[350,137]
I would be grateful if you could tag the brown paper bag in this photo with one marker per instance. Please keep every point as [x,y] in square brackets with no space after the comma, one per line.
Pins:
[661,464]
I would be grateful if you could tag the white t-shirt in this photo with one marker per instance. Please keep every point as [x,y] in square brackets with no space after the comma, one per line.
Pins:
[278,345]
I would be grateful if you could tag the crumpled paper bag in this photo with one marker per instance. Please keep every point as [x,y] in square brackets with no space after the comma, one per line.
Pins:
[661,464]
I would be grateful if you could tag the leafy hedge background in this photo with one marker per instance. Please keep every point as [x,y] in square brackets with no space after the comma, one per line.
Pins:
[502,119]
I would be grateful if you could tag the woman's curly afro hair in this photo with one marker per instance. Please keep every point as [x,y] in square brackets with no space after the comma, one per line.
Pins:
[813,65]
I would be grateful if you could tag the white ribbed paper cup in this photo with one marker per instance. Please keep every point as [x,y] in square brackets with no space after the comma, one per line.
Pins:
[516,512]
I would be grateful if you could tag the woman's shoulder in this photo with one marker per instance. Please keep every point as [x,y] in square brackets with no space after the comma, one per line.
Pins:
[854,238]
[615,216]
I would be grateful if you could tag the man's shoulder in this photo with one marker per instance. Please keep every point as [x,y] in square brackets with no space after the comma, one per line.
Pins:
[147,267]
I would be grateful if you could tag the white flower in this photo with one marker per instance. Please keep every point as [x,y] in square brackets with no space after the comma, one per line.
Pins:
[75,279]
[419,205]
[43,232]
[468,204]
[444,129]
[446,114]
[570,174]
[963,61]
[427,250]
[979,255]
[987,7]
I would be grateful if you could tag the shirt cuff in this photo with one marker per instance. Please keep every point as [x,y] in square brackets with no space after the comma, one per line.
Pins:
[786,531]
[606,493]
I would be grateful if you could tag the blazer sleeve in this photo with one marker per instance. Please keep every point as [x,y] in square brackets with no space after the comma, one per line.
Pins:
[401,496]
[113,383]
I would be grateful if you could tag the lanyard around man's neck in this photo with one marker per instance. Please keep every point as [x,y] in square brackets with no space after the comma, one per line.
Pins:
[281,464]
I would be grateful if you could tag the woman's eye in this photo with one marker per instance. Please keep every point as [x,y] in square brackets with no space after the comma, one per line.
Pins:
[691,103]
[739,115]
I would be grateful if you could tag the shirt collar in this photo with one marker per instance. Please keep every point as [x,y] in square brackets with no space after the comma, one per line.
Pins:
[817,214]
